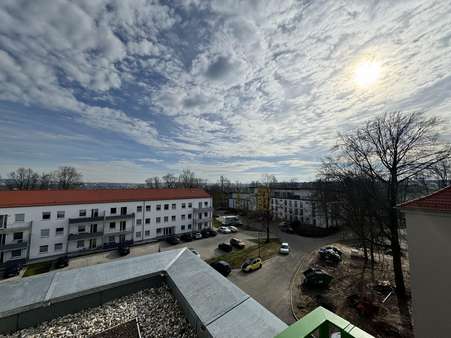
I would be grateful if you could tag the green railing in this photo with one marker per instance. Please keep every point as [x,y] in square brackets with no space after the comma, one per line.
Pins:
[323,323]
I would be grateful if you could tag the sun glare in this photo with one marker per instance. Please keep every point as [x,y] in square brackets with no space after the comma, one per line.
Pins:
[367,73]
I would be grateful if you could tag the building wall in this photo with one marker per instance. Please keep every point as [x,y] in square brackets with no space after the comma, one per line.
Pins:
[143,226]
[428,237]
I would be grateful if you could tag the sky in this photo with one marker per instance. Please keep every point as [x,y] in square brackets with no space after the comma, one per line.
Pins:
[125,90]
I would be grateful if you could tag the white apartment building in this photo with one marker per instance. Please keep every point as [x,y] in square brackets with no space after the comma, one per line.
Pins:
[44,224]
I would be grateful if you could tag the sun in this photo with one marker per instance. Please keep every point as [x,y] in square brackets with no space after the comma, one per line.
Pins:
[367,73]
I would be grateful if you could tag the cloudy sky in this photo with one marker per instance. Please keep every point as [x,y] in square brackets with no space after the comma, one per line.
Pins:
[124,90]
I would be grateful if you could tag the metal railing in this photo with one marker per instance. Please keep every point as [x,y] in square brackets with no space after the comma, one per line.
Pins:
[99,218]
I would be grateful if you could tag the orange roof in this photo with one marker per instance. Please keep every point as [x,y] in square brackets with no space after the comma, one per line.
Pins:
[12,199]
[439,201]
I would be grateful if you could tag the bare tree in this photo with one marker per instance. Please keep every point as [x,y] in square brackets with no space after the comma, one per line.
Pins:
[267,181]
[442,172]
[153,182]
[170,181]
[188,179]
[68,178]
[391,149]
[47,181]
[23,179]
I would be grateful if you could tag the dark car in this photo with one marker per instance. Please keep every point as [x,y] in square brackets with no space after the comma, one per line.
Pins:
[124,250]
[222,267]
[329,255]
[208,233]
[172,240]
[62,262]
[316,277]
[12,269]
[225,247]
[237,243]
[186,237]
[334,249]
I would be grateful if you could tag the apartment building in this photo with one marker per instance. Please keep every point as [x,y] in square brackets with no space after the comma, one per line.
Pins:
[44,224]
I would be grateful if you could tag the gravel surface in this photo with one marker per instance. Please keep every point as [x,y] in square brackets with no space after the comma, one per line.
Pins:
[157,311]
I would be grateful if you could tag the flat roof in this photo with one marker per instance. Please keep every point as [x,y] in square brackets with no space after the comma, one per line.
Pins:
[438,201]
[15,199]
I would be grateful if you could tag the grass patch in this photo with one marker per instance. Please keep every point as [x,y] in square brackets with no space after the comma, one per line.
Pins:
[237,257]
[37,268]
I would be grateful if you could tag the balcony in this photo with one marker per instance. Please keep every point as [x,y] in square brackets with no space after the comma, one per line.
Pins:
[323,323]
[206,209]
[84,235]
[118,232]
[15,227]
[13,246]
[99,218]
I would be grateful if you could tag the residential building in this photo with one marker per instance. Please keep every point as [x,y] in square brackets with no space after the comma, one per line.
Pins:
[44,224]
[428,221]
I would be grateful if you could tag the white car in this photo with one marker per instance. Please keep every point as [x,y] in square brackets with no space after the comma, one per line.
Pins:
[284,249]
[232,228]
[224,230]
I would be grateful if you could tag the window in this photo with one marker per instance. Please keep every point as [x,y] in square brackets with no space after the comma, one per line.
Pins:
[190,205]
[147,233]
[205,214]
[111,239]
[183,217]
[183,227]
[183,205]
[59,231]
[148,220]
[166,207]
[189,216]
[82,213]
[60,214]
[147,207]
[166,219]
[174,206]
[16,253]
[20,217]
[124,211]
[158,220]
[80,244]
[189,226]
[113,211]
[139,221]
[46,215]
[172,218]
[206,204]
[58,246]
[81,228]
[122,225]
[158,206]
[3,220]
[139,208]
[159,231]
[112,225]
[138,234]
[45,232]
[18,236]
[43,248]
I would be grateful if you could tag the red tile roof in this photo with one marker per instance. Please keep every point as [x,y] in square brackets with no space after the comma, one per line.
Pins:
[11,199]
[439,201]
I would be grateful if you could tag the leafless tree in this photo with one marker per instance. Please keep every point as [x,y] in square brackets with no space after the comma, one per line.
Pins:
[267,181]
[391,149]
[188,179]
[442,172]
[47,181]
[170,181]
[153,182]
[23,179]
[68,178]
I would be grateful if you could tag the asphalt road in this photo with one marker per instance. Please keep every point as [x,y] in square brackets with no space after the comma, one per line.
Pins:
[270,285]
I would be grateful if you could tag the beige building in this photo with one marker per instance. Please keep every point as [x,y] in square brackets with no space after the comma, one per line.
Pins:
[429,238]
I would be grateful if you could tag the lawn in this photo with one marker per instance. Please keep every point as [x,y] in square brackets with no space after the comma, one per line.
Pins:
[37,268]
[237,257]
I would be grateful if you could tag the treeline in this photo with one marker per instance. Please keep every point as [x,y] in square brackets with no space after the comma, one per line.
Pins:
[27,179]
[187,179]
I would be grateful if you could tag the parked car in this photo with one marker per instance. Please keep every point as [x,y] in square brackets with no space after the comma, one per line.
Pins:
[222,267]
[194,251]
[212,233]
[186,237]
[329,255]
[208,233]
[225,247]
[124,250]
[197,235]
[316,277]
[62,262]
[334,249]
[224,230]
[284,248]
[12,269]
[233,228]
[172,240]
[237,243]
[251,264]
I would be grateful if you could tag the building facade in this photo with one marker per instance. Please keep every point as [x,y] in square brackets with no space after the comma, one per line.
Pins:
[36,225]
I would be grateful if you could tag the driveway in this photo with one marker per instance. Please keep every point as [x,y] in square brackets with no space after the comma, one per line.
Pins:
[270,285]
